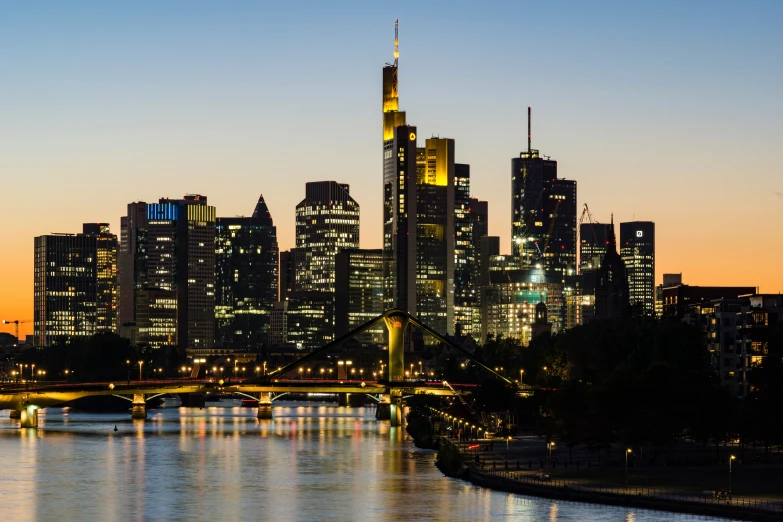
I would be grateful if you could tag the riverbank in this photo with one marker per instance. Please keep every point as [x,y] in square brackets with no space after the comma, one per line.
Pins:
[455,463]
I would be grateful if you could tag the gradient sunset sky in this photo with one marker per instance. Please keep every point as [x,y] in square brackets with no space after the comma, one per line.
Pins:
[664,111]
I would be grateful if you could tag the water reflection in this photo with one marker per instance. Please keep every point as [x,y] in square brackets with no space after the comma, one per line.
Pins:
[313,461]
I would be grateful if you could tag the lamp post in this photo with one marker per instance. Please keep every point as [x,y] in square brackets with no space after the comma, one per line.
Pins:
[126,362]
[549,446]
[730,459]
[521,374]
[628,451]
[140,363]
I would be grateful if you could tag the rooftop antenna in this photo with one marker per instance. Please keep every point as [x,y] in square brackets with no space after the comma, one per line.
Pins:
[396,41]
[528,129]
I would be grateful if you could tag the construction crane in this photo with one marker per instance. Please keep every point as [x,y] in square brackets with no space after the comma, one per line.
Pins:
[16,322]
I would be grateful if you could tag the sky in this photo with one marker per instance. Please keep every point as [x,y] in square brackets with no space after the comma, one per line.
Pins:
[662,111]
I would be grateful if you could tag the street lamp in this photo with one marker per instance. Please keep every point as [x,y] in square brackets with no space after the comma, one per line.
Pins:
[628,451]
[521,374]
[140,363]
[549,447]
[126,362]
[730,459]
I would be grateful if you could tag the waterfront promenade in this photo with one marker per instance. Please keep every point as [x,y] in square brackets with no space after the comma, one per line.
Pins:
[530,465]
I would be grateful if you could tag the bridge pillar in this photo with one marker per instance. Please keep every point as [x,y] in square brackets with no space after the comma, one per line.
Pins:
[264,405]
[396,324]
[139,408]
[15,414]
[395,410]
[29,417]
[383,409]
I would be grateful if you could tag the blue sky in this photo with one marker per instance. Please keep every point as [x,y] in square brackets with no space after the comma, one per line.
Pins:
[662,111]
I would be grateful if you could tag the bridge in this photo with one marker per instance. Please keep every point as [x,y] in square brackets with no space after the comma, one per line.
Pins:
[390,391]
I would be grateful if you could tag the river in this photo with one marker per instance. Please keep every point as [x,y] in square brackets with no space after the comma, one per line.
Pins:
[314,461]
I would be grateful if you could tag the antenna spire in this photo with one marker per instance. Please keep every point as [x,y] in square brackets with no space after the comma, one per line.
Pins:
[396,41]
[528,129]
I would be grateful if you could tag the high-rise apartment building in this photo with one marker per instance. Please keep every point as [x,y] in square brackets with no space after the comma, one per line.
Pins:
[327,221]
[637,248]
[359,293]
[168,260]
[543,213]
[246,278]
[75,284]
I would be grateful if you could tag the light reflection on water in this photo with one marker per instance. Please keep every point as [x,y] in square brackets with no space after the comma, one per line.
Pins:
[314,461]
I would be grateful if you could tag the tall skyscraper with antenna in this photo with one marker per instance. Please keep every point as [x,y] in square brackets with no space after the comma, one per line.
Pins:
[543,212]
[399,194]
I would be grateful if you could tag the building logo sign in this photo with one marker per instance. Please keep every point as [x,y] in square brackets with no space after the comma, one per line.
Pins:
[639,233]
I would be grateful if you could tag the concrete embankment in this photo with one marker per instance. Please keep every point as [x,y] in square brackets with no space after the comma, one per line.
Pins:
[451,463]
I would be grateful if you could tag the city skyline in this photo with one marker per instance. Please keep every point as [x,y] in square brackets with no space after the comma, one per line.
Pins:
[62,162]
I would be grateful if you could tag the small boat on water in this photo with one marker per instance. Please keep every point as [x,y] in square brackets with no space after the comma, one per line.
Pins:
[249,403]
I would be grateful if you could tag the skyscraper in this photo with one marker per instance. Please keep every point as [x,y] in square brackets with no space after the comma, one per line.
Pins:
[167,270]
[593,241]
[74,284]
[106,292]
[399,218]
[637,248]
[435,231]
[359,292]
[479,228]
[543,213]
[465,253]
[246,278]
[327,221]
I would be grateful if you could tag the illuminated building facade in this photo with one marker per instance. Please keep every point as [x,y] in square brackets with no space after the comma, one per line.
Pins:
[479,228]
[170,247]
[106,309]
[132,261]
[435,231]
[593,240]
[327,221]
[668,280]
[359,293]
[429,247]
[637,248]
[543,214]
[304,320]
[737,334]
[246,278]
[465,262]
[512,295]
[74,284]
